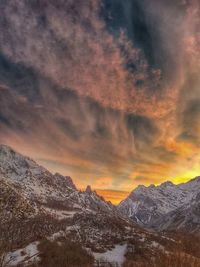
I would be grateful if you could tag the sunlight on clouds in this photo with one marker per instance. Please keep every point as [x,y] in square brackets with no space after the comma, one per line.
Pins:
[92,101]
[113,195]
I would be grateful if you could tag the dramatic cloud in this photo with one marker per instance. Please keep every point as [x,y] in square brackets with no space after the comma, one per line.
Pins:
[107,91]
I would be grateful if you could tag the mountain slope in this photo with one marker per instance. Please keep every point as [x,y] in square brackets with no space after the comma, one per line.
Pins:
[167,206]
[35,204]
[43,189]
[185,218]
[12,204]
[39,203]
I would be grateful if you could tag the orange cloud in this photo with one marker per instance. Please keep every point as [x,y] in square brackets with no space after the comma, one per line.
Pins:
[113,195]
[75,119]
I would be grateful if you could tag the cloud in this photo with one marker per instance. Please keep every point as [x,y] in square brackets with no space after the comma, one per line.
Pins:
[104,91]
[72,47]
[190,123]
[143,128]
[114,196]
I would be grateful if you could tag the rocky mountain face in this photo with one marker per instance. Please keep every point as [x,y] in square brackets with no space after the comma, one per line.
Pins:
[28,189]
[45,190]
[39,203]
[165,207]
[36,204]
[187,217]
[12,204]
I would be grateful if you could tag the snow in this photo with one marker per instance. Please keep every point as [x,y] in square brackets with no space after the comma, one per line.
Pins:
[155,244]
[35,182]
[116,255]
[60,214]
[159,200]
[24,255]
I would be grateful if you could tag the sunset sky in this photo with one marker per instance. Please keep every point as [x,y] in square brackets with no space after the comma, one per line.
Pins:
[106,91]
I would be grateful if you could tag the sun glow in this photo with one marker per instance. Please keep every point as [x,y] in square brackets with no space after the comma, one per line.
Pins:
[112,195]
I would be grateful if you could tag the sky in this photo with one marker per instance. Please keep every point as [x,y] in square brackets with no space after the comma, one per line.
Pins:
[106,91]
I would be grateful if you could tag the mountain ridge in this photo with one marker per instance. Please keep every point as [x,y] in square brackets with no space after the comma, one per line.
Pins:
[43,188]
[147,206]
[151,206]
[36,204]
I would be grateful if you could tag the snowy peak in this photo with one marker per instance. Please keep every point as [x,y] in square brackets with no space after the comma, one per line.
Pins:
[22,169]
[4,149]
[34,181]
[139,190]
[17,166]
[95,202]
[65,179]
[142,189]
[7,153]
[167,184]
[148,206]
[192,183]
[44,189]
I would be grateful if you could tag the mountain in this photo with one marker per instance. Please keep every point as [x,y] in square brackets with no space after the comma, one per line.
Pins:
[185,218]
[12,204]
[36,205]
[44,189]
[165,207]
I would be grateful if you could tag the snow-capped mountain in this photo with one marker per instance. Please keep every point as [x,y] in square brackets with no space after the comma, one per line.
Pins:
[186,218]
[44,190]
[167,206]
[35,203]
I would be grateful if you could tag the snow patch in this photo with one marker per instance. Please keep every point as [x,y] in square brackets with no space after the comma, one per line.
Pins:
[116,255]
[24,255]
